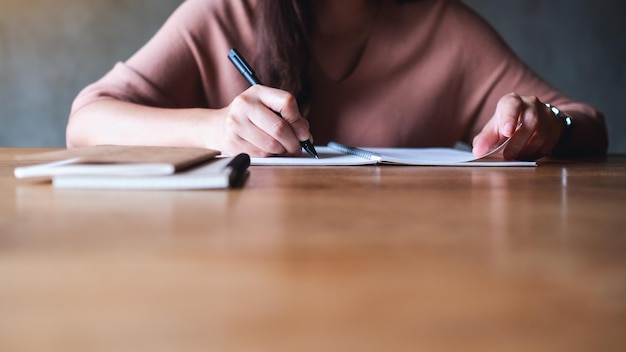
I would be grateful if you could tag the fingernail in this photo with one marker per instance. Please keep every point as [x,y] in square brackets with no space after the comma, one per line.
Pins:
[509,128]
[303,134]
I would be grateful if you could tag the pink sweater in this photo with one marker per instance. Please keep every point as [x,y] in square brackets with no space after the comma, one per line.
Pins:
[431,74]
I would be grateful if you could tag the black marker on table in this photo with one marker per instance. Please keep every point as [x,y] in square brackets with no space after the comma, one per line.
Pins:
[245,69]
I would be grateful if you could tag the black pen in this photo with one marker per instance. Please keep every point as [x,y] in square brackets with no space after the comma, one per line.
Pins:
[247,72]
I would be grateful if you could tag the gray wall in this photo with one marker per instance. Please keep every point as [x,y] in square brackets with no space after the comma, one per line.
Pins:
[50,49]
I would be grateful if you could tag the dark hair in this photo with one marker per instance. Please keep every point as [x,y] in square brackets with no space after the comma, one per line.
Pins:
[283,59]
[283,45]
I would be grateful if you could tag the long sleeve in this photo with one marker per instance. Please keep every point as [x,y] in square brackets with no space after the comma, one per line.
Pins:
[185,64]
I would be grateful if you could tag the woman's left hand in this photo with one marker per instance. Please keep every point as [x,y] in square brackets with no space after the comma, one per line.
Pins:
[533,129]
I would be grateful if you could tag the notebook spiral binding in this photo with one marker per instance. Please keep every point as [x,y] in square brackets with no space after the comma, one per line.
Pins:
[366,154]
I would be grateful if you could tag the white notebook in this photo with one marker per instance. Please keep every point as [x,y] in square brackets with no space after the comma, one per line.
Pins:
[224,172]
[339,154]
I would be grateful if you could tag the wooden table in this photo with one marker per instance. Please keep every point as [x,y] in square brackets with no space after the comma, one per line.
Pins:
[321,259]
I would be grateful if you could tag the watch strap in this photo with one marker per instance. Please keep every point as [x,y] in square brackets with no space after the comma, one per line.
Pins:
[566,121]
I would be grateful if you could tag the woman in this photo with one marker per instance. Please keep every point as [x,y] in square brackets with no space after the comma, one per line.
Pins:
[388,73]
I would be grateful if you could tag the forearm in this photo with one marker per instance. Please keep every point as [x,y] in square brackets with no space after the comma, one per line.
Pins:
[122,123]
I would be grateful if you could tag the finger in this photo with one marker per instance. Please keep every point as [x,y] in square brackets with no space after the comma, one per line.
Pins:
[272,133]
[546,132]
[274,127]
[239,125]
[520,145]
[285,104]
[487,139]
[501,126]
[239,145]
[261,140]
[538,146]
[508,112]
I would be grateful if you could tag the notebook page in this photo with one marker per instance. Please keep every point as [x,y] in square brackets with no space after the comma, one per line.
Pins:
[327,157]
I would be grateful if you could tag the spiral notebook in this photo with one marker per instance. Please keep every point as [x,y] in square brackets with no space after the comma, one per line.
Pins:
[338,154]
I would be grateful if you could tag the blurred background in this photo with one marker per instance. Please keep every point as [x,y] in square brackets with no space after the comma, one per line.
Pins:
[50,49]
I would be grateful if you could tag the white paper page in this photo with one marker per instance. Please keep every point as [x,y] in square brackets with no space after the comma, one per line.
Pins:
[406,156]
[327,157]
[440,157]
[74,167]
[213,174]
[430,156]
[421,156]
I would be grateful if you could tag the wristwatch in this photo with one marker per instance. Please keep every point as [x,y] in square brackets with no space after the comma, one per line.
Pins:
[567,122]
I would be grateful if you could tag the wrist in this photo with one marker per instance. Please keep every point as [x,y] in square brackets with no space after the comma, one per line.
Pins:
[210,128]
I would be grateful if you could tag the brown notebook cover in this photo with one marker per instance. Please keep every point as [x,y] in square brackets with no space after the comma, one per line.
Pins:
[114,160]
[179,157]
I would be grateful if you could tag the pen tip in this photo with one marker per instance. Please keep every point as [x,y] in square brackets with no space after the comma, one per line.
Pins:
[309,148]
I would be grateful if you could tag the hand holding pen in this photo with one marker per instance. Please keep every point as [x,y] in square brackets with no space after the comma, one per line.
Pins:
[281,121]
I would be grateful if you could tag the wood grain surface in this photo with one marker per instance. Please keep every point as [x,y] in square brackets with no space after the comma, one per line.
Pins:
[367,258]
